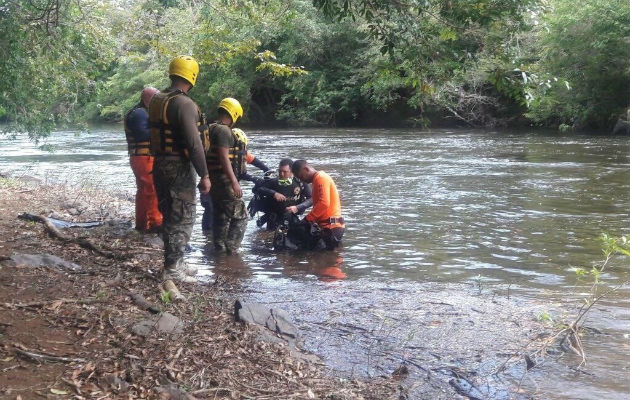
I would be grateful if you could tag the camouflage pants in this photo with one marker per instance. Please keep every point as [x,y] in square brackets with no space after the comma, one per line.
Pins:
[229,218]
[176,191]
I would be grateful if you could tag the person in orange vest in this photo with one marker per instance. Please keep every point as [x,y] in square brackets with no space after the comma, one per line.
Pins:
[136,122]
[323,227]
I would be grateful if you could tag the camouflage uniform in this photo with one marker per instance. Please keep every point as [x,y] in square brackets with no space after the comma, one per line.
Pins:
[229,216]
[175,185]
[179,153]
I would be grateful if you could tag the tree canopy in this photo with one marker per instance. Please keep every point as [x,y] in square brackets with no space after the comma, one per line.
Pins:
[321,62]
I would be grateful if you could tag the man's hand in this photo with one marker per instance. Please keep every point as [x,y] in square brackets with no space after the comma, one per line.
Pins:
[238,192]
[279,197]
[292,209]
[204,185]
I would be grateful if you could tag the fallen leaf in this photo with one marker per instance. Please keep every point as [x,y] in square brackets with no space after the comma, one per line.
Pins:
[57,391]
[55,305]
[7,359]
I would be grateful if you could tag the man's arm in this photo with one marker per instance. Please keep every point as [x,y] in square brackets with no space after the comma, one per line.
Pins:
[307,195]
[187,116]
[266,188]
[224,159]
[321,202]
[253,160]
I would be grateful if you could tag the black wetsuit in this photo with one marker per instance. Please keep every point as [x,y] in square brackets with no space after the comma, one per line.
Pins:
[297,193]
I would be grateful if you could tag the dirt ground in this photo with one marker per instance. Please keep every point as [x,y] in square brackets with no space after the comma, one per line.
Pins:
[66,334]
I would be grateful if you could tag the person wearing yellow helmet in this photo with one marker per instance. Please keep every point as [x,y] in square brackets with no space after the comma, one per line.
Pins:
[226,160]
[179,139]
[206,201]
[250,158]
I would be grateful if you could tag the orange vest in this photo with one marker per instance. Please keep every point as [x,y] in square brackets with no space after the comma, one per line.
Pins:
[326,210]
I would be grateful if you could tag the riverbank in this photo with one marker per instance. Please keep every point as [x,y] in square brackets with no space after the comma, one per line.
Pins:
[78,329]
[73,330]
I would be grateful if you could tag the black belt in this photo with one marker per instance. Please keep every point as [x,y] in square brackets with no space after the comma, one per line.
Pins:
[335,220]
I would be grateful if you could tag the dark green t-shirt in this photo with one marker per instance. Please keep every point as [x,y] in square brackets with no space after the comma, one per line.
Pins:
[221,136]
[183,115]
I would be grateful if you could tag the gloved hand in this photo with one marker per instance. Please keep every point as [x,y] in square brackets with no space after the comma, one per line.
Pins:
[279,197]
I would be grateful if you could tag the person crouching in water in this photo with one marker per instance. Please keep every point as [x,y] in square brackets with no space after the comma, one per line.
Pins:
[136,122]
[226,160]
[206,201]
[323,227]
[280,197]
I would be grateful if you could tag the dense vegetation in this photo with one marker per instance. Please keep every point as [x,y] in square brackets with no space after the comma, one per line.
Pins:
[331,62]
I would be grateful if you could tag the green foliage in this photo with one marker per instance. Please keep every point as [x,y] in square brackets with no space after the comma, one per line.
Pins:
[166,297]
[51,57]
[311,62]
[9,183]
[611,247]
[544,316]
[584,51]
[615,245]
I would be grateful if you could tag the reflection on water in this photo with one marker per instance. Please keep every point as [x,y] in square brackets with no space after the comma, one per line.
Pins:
[447,206]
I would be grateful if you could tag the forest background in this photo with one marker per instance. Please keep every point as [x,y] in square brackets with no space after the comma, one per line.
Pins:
[481,63]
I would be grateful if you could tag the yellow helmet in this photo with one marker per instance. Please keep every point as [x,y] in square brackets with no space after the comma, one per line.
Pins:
[185,67]
[233,107]
[240,135]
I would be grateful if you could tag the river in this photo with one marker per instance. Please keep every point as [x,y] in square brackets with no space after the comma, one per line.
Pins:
[487,212]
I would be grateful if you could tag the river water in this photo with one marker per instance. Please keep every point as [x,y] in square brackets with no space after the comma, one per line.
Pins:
[469,211]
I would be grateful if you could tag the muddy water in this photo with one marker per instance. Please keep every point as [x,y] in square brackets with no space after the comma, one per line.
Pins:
[491,223]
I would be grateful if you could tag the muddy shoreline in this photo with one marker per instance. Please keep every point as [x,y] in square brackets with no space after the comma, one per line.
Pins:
[88,315]
[68,333]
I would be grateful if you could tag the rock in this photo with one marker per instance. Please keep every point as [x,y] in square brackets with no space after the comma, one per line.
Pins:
[73,211]
[169,323]
[165,323]
[275,320]
[153,241]
[143,257]
[54,214]
[43,260]
[81,206]
[143,328]
[30,179]
[172,392]
[113,382]
[125,223]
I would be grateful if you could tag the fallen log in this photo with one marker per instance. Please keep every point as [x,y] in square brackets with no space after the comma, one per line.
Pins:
[50,302]
[46,357]
[143,303]
[56,233]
